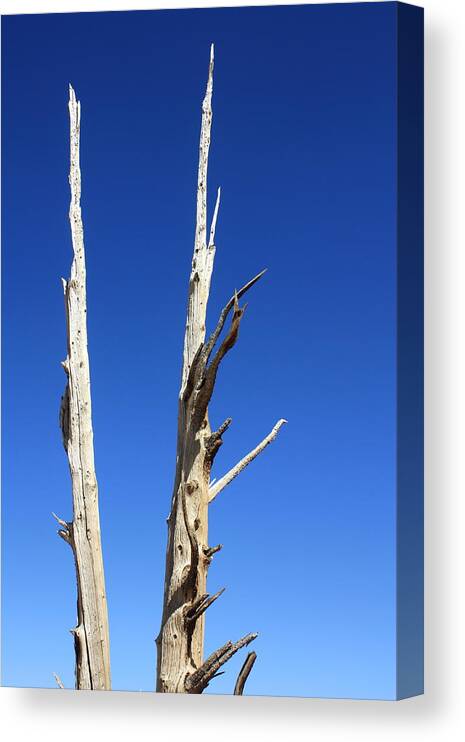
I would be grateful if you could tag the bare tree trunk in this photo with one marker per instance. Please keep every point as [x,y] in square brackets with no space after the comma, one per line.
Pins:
[91,637]
[180,664]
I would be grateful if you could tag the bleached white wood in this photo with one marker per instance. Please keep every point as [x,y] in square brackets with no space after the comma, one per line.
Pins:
[58,681]
[91,635]
[202,259]
[179,649]
[220,484]
[180,643]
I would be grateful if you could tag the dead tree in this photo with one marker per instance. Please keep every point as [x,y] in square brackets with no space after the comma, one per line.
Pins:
[91,639]
[180,663]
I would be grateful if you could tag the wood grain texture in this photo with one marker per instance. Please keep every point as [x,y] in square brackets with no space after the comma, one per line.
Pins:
[180,643]
[91,635]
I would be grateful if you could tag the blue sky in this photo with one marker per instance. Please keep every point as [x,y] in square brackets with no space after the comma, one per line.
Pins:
[303,146]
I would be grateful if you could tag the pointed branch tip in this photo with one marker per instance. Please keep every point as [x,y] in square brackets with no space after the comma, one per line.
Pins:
[61,522]
[224,314]
[216,488]
[58,681]
[201,605]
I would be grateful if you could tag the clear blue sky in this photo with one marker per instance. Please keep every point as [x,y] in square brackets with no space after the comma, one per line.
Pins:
[304,149]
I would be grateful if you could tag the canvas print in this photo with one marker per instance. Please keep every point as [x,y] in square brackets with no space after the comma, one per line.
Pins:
[212,219]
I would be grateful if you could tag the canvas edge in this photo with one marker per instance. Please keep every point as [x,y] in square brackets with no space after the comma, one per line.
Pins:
[410,352]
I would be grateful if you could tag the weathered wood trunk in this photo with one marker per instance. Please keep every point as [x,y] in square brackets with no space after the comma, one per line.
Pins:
[180,663]
[91,636]
[180,643]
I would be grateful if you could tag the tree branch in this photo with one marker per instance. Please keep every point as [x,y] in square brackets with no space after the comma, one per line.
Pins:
[224,313]
[244,673]
[61,522]
[58,681]
[198,681]
[209,551]
[201,605]
[236,470]
[205,374]
[215,441]
[230,338]
[65,532]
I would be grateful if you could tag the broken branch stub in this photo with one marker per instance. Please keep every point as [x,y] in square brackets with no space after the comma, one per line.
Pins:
[244,673]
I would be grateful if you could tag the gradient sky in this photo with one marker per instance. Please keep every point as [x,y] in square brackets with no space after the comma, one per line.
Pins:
[303,146]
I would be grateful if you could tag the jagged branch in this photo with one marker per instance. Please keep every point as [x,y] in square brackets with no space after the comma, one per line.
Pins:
[201,377]
[206,374]
[198,681]
[216,488]
[210,344]
[201,604]
[215,441]
[206,383]
[244,673]
[212,550]
[230,339]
